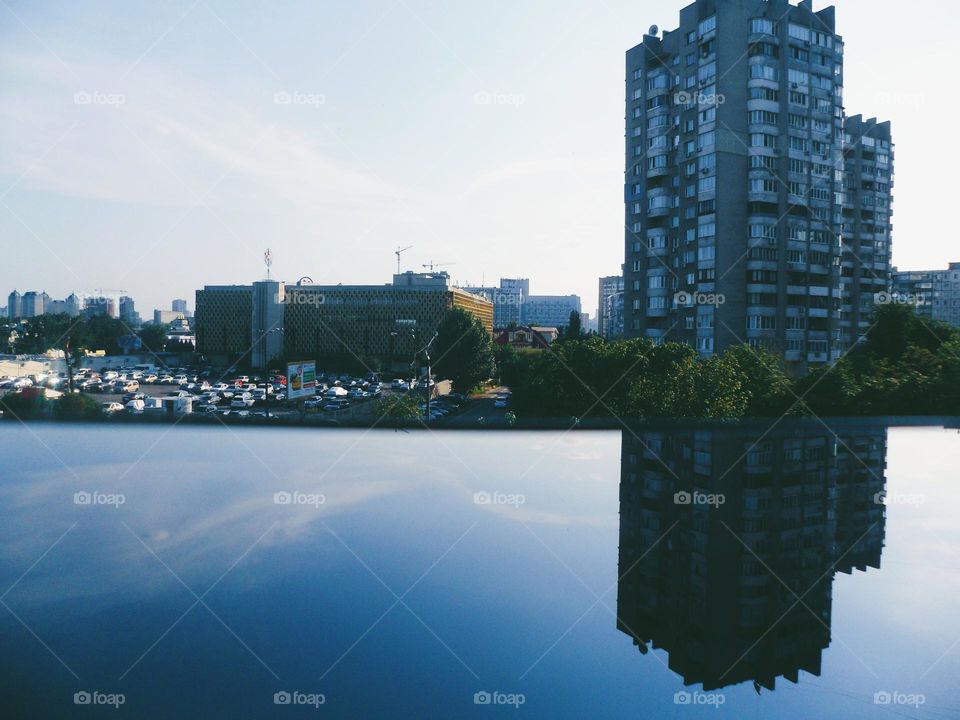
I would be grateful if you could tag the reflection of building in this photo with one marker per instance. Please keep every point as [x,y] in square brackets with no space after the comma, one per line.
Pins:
[721,531]
[934,293]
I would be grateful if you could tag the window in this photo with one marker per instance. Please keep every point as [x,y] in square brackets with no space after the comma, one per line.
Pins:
[801,144]
[799,54]
[657,302]
[798,121]
[798,166]
[708,184]
[761,93]
[798,77]
[798,32]
[763,117]
[706,164]
[798,98]
[761,185]
[763,140]
[762,162]
[761,322]
[706,140]
[705,344]
[707,74]
[657,282]
[763,72]
[708,252]
[706,230]
[762,25]
[707,26]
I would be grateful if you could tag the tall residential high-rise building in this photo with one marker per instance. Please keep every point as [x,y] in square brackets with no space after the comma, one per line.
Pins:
[14,305]
[607,286]
[934,293]
[550,310]
[734,180]
[867,222]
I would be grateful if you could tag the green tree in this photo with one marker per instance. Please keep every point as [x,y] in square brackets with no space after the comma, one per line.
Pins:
[463,351]
[76,406]
[154,337]
[574,325]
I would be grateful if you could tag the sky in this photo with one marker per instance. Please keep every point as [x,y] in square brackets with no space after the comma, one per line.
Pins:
[158,147]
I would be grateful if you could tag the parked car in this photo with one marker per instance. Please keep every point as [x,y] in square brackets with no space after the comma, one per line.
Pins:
[111,407]
[242,402]
[335,405]
[500,402]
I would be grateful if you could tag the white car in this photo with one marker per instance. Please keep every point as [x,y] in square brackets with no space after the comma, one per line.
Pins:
[111,407]
[150,378]
[166,380]
[242,402]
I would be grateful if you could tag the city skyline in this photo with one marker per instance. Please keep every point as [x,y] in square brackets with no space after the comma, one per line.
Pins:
[102,164]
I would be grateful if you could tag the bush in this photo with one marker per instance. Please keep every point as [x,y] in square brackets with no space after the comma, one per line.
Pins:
[76,406]
[23,406]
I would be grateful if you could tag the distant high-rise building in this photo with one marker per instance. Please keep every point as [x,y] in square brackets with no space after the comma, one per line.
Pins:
[128,312]
[609,285]
[550,310]
[613,312]
[735,202]
[180,306]
[72,305]
[32,304]
[100,305]
[14,305]
[934,293]
[509,300]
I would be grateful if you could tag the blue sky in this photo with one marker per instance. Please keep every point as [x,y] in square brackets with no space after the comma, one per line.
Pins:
[149,146]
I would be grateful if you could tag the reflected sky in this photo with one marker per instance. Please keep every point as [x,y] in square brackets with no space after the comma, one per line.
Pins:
[398,574]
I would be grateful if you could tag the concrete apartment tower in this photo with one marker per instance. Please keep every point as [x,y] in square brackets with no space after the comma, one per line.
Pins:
[734,157]
[867,223]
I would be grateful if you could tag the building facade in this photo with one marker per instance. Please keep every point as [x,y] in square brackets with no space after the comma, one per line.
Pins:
[934,293]
[390,322]
[734,181]
[223,322]
[867,223]
[14,305]
[509,300]
[607,287]
[613,311]
[551,310]
[269,319]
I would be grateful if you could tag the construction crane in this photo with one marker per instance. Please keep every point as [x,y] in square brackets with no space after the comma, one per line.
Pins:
[397,253]
[432,265]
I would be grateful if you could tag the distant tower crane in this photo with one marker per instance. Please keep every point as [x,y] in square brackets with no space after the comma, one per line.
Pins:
[397,253]
[432,265]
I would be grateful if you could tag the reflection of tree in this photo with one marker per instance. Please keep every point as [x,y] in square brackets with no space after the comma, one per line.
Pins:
[740,589]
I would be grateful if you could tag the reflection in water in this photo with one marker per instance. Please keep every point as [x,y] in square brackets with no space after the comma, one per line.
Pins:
[729,541]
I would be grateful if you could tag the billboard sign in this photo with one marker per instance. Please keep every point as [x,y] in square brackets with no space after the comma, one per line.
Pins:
[301,380]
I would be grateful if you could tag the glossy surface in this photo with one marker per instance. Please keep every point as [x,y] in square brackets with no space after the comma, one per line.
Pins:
[399,574]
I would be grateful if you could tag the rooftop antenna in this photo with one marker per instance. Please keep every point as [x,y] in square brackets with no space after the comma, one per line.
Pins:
[268,261]
[397,253]
[432,265]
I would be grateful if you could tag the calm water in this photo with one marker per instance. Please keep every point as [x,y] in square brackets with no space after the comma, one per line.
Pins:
[199,572]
